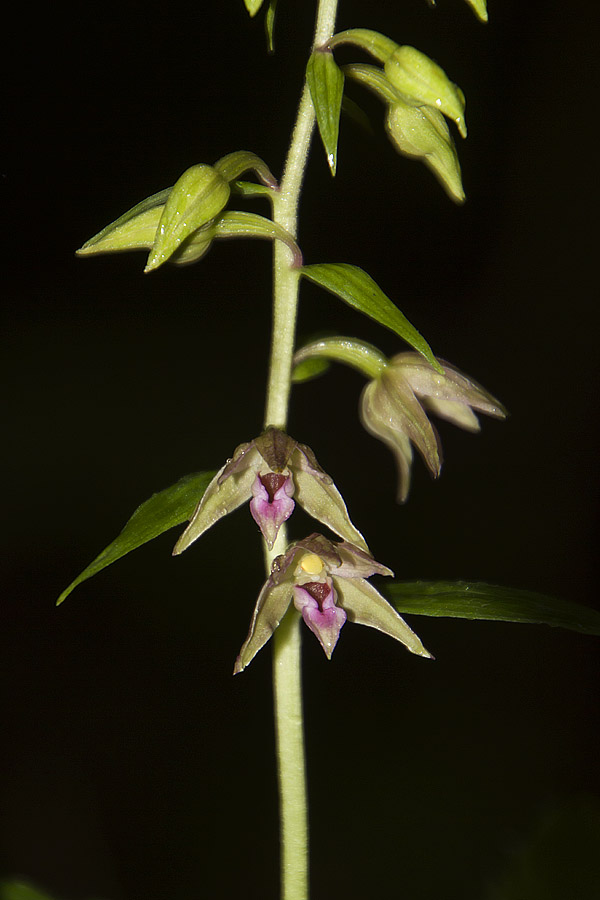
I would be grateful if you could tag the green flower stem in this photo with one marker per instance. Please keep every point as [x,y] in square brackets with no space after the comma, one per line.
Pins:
[287,684]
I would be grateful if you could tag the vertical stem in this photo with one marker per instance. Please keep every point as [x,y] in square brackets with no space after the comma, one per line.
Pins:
[287,684]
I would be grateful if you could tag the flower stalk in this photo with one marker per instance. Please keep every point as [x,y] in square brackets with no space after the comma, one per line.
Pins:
[287,687]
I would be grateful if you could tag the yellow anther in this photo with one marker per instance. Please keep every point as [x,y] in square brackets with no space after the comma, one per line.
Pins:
[311,564]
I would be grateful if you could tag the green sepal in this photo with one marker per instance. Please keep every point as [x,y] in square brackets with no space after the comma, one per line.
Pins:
[253,6]
[479,7]
[270,26]
[378,45]
[475,600]
[364,357]
[197,197]
[373,79]
[326,84]
[134,230]
[235,223]
[310,368]
[164,510]
[234,164]
[357,289]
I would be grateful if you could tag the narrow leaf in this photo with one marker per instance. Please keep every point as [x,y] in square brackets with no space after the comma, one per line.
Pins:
[475,600]
[326,83]
[164,510]
[270,26]
[357,289]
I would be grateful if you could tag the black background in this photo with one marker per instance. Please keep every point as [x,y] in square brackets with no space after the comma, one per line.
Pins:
[135,766]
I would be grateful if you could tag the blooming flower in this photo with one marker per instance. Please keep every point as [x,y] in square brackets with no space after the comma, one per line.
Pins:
[393,408]
[327,583]
[275,471]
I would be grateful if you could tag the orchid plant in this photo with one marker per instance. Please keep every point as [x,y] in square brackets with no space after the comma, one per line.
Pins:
[321,579]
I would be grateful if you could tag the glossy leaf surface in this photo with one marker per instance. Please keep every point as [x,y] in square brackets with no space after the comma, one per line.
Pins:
[475,600]
[356,288]
[164,510]
[326,84]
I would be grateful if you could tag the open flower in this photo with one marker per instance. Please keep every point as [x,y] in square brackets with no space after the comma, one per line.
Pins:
[394,408]
[275,471]
[327,583]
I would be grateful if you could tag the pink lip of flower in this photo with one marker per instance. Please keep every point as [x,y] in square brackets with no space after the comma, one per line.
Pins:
[393,409]
[273,471]
[327,582]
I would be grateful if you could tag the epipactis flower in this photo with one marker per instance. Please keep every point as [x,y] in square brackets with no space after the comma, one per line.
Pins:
[274,472]
[394,408]
[327,584]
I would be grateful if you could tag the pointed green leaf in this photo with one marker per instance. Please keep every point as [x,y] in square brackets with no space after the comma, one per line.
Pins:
[474,600]
[326,84]
[270,26]
[253,6]
[134,230]
[357,289]
[164,510]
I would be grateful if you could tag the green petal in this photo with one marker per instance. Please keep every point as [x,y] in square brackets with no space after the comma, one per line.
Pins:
[326,83]
[474,600]
[357,289]
[162,511]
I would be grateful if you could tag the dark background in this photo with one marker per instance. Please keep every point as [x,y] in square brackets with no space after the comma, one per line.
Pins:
[134,766]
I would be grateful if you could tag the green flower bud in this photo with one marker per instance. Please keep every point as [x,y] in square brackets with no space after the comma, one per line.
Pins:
[421,81]
[197,197]
[422,132]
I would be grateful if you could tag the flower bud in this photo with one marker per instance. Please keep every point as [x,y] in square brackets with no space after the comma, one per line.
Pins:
[421,81]
[197,197]
[421,132]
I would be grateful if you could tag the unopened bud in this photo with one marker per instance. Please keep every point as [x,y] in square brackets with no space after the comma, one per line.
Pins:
[422,132]
[421,81]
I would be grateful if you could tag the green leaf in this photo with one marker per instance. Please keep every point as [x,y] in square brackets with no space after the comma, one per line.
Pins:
[253,6]
[357,289]
[475,600]
[326,83]
[164,510]
[270,26]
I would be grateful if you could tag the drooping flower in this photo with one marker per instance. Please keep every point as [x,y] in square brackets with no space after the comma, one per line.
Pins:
[275,471]
[394,408]
[327,584]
